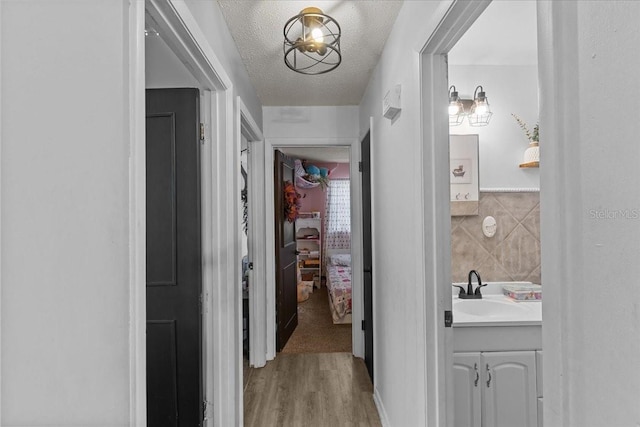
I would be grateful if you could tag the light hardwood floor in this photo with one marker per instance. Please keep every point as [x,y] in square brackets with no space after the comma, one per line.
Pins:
[313,389]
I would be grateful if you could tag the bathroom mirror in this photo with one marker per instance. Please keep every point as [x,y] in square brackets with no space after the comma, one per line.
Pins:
[463,174]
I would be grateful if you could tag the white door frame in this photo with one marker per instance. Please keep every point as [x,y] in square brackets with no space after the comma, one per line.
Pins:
[437,218]
[269,318]
[246,126]
[220,210]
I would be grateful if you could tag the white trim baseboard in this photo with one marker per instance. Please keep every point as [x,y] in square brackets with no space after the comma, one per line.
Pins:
[382,413]
[510,190]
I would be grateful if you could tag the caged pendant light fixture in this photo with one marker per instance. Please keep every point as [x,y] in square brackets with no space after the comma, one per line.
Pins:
[312,42]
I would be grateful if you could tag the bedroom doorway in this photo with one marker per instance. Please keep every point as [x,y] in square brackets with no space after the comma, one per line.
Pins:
[322,236]
[350,147]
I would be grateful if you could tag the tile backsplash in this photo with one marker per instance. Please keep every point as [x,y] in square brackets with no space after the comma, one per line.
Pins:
[513,253]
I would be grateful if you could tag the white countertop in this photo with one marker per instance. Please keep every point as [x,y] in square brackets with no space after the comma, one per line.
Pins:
[495,309]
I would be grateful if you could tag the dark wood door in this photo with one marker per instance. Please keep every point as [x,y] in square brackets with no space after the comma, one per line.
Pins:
[174,277]
[367,253]
[286,276]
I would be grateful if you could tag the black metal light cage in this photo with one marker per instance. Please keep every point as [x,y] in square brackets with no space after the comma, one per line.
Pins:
[306,55]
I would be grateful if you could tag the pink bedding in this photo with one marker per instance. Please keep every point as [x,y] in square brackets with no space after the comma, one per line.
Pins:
[339,288]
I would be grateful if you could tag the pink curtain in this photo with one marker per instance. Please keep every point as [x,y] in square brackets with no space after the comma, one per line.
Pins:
[337,218]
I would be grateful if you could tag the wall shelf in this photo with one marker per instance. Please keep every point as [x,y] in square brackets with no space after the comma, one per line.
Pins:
[530,165]
[309,246]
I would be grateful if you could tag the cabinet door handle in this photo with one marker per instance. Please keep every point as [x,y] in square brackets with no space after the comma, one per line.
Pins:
[489,374]
[475,368]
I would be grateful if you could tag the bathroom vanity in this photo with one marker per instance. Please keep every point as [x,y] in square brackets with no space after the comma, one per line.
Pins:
[497,361]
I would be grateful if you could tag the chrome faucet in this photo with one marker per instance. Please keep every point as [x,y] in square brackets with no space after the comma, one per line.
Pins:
[469,293]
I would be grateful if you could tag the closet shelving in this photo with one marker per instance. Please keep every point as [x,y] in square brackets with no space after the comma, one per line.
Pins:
[309,246]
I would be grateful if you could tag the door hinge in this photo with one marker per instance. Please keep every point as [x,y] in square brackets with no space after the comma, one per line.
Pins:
[202,132]
[364,325]
[203,305]
[207,411]
[359,166]
[448,318]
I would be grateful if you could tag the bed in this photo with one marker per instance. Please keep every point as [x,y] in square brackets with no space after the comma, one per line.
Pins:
[339,286]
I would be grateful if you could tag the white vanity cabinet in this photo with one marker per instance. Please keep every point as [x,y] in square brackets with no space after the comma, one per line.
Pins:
[495,389]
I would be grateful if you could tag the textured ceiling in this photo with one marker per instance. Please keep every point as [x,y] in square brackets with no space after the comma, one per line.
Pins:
[257,28]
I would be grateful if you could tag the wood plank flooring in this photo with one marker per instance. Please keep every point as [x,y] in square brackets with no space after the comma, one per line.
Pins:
[310,390]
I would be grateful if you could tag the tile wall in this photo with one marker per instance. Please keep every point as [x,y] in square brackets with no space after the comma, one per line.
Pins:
[513,253]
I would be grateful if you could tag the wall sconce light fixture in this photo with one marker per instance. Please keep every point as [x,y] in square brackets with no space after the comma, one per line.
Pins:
[312,42]
[477,110]
[480,113]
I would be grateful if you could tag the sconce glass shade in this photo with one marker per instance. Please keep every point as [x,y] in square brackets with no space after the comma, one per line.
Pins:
[480,113]
[456,109]
[312,42]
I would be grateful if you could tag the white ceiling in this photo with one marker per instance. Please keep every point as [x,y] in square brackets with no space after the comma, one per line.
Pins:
[257,28]
[505,34]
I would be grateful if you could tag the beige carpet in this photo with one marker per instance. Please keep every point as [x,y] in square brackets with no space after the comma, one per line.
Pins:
[316,332]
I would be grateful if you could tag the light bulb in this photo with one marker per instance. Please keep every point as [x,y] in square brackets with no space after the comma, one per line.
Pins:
[453,109]
[317,36]
[482,109]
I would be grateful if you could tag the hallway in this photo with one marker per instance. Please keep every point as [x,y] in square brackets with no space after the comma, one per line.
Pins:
[316,332]
[322,389]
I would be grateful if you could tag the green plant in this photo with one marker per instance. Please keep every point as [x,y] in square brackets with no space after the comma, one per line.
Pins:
[531,135]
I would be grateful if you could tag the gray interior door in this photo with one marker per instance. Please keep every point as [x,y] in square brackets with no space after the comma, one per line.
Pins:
[174,276]
[286,274]
[367,253]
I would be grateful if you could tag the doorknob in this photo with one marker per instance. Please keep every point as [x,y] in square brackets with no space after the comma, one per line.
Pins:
[297,252]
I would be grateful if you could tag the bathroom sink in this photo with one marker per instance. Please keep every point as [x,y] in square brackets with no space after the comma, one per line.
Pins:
[495,309]
[489,308]
[496,322]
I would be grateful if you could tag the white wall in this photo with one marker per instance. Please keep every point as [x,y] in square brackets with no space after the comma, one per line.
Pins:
[400,359]
[590,55]
[163,69]
[211,21]
[65,255]
[509,89]
[310,122]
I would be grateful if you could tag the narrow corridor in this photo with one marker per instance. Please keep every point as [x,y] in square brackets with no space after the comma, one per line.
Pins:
[321,389]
